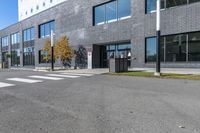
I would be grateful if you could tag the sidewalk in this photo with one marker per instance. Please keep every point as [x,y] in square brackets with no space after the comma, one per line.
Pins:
[171,70]
[88,71]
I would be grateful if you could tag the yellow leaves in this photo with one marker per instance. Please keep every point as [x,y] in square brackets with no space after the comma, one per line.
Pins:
[62,50]
[47,48]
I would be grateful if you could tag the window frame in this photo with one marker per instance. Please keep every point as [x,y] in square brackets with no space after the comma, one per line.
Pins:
[117,12]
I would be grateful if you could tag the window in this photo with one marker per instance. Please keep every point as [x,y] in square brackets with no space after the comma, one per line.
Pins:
[29,56]
[194,46]
[175,48]
[4,41]
[15,57]
[124,9]
[42,55]
[112,11]
[151,4]
[172,3]
[29,34]
[15,38]
[45,29]
[151,49]
[100,15]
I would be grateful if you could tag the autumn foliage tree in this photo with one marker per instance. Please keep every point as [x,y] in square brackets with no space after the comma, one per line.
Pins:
[47,48]
[63,51]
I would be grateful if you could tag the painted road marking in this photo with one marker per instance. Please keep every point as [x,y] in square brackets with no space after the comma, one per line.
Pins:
[63,76]
[78,74]
[25,80]
[5,85]
[45,77]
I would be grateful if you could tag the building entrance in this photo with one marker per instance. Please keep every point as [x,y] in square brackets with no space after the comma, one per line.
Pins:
[102,54]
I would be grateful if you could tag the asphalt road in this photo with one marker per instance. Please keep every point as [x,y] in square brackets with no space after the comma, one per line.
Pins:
[98,104]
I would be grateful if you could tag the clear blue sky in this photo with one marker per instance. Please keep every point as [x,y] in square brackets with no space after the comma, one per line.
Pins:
[8,12]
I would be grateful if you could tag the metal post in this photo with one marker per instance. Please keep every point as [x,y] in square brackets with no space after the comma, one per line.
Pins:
[52,51]
[157,73]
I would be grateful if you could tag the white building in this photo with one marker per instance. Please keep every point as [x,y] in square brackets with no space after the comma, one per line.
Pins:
[28,8]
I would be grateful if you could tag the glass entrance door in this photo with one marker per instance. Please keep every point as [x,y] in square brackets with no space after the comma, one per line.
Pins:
[114,51]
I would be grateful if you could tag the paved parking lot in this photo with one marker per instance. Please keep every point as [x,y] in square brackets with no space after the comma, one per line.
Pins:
[62,102]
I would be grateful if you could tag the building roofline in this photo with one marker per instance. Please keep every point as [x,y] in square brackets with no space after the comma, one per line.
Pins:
[32,16]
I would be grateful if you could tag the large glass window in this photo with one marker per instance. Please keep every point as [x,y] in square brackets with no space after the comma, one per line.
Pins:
[151,49]
[176,48]
[100,15]
[4,41]
[151,4]
[28,34]
[112,11]
[15,57]
[124,9]
[45,29]
[194,46]
[43,56]
[29,56]
[15,38]
[172,3]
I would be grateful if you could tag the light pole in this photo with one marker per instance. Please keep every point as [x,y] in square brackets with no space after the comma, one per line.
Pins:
[157,73]
[52,50]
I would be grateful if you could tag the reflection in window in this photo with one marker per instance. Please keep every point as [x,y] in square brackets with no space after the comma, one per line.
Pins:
[4,41]
[194,46]
[28,34]
[100,15]
[172,3]
[124,9]
[15,57]
[176,48]
[29,56]
[43,57]
[151,4]
[112,11]
[151,49]
[45,29]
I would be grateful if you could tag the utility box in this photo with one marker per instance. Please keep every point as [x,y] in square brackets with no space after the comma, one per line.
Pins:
[118,65]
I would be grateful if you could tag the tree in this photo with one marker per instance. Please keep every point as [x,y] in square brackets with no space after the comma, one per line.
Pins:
[47,48]
[63,51]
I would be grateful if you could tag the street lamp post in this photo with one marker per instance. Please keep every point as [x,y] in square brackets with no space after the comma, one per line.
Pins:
[157,73]
[52,50]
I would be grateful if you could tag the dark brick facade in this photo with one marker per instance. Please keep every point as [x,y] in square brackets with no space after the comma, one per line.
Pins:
[74,18]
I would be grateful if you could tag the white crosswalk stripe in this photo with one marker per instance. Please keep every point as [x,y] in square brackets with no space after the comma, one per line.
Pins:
[2,84]
[24,80]
[64,76]
[79,74]
[45,77]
